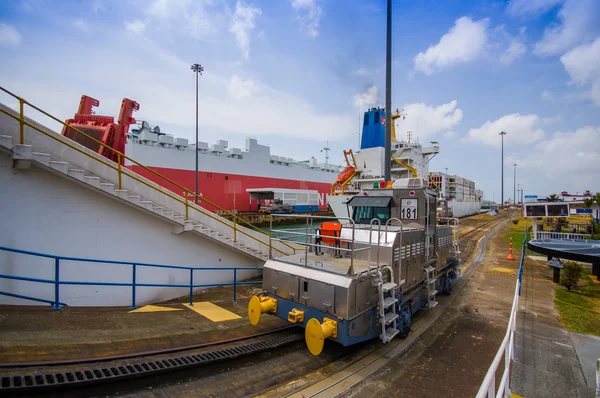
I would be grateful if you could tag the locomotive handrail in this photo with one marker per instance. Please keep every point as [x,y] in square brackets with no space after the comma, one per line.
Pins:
[507,348]
[124,171]
[57,282]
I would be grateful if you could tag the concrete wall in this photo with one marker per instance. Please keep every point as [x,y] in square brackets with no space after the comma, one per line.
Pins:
[461,209]
[43,212]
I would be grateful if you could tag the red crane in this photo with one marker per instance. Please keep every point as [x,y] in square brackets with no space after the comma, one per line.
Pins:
[102,128]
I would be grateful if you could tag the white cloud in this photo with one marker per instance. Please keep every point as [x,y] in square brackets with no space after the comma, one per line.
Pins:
[583,65]
[364,72]
[240,88]
[516,47]
[367,99]
[81,25]
[426,120]
[186,17]
[526,8]
[450,134]
[9,36]
[464,42]
[578,23]
[137,26]
[242,23]
[309,14]
[574,158]
[547,95]
[521,129]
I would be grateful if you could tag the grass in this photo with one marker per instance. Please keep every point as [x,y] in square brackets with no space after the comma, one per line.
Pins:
[516,233]
[587,295]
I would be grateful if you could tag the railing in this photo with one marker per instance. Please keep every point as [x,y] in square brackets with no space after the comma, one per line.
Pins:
[560,235]
[598,378]
[507,348]
[124,171]
[57,282]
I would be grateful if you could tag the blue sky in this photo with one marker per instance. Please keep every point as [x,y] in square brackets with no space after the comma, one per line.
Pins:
[296,74]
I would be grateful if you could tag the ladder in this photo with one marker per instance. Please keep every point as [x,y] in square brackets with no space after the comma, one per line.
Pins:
[430,279]
[387,307]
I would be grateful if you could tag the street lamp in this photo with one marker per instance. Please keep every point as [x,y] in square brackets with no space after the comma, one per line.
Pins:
[198,69]
[502,133]
[515,186]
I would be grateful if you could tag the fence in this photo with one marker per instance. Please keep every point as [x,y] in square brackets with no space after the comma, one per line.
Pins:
[507,348]
[560,235]
[57,282]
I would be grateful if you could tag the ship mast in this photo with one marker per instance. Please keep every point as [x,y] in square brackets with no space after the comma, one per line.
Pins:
[388,96]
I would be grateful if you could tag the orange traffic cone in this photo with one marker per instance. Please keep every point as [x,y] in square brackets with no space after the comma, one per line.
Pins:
[510,255]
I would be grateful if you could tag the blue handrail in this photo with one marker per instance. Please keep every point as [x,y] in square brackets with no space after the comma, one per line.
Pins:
[520,276]
[56,304]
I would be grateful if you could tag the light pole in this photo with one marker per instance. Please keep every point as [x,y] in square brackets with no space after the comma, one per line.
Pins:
[519,192]
[502,133]
[198,69]
[515,186]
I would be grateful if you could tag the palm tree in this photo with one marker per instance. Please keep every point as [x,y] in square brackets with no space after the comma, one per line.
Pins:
[553,198]
[588,202]
[596,198]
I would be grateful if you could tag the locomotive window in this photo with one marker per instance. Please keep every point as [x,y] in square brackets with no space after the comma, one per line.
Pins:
[364,214]
[382,213]
[376,118]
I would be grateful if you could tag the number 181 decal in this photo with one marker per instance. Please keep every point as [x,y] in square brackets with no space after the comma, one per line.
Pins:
[409,209]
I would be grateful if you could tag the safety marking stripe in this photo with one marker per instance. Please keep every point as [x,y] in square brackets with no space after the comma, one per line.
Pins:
[212,311]
[500,269]
[155,308]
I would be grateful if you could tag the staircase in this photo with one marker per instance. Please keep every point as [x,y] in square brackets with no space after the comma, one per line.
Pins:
[387,307]
[49,150]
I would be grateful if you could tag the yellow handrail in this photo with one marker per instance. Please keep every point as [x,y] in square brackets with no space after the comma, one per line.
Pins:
[120,170]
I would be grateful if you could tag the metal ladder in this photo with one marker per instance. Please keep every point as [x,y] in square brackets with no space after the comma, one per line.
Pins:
[430,279]
[387,307]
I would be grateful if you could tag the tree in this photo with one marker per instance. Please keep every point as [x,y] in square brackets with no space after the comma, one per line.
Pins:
[553,198]
[588,202]
[597,198]
[571,274]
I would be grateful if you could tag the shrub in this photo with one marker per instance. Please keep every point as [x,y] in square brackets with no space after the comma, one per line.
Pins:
[515,222]
[570,275]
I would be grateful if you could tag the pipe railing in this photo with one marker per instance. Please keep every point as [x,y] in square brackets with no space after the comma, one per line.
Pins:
[133,175]
[507,348]
[58,282]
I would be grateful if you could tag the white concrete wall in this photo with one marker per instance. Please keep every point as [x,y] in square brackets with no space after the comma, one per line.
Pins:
[43,212]
[461,209]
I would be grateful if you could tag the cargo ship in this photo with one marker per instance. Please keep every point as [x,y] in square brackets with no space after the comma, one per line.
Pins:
[241,180]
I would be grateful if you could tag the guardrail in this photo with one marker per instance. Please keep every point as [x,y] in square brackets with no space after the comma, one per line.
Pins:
[560,235]
[507,348]
[124,171]
[57,282]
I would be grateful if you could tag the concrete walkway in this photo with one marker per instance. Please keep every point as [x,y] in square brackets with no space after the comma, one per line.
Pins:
[549,360]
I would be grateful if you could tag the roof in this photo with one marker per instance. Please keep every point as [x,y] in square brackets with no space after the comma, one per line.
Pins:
[370,201]
[587,251]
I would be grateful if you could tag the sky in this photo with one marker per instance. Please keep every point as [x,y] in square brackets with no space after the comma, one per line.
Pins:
[298,75]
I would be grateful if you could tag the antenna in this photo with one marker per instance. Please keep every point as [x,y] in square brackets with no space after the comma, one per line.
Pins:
[326,149]
[409,135]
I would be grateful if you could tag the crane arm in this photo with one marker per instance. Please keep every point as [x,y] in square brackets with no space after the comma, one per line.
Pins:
[401,163]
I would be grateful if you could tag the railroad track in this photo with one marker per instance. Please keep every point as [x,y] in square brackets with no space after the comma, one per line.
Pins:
[47,376]
[42,377]
[343,380]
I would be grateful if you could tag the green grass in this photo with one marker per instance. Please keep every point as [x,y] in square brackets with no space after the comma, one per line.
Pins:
[516,233]
[587,295]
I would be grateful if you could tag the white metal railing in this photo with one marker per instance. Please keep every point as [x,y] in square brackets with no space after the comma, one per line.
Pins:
[598,378]
[559,235]
[507,348]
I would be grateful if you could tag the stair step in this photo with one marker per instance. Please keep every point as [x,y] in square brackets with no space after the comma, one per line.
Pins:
[107,186]
[433,304]
[58,165]
[389,334]
[430,281]
[122,193]
[389,286]
[390,317]
[136,199]
[389,301]
[6,141]
[157,209]
[76,173]
[92,180]
[43,158]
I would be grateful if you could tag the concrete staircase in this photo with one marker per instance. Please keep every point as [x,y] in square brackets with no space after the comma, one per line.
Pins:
[86,167]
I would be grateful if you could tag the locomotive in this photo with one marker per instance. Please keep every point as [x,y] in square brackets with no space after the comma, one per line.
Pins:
[365,275]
